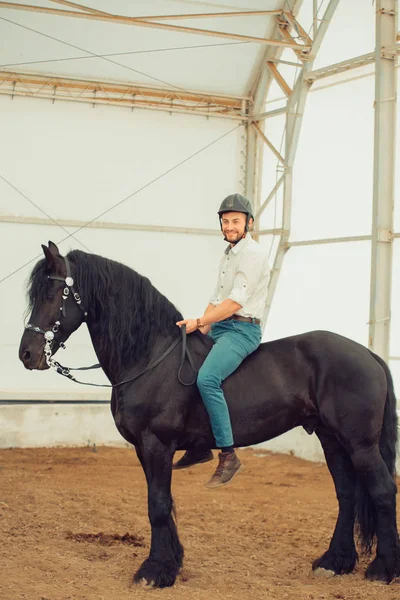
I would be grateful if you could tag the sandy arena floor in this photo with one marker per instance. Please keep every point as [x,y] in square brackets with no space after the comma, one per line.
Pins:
[253,540]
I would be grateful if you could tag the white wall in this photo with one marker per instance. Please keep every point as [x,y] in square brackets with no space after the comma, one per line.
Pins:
[76,161]
[35,426]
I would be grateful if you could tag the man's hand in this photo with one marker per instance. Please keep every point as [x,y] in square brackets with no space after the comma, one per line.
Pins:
[191,325]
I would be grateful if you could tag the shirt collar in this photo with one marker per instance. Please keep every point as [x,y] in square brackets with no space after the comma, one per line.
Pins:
[239,246]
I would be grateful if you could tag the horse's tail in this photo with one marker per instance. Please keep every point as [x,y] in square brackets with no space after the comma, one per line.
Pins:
[365,511]
[389,434]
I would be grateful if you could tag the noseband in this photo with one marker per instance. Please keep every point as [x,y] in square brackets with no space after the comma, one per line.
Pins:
[65,371]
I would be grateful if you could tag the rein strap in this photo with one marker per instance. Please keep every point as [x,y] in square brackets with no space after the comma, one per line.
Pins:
[66,371]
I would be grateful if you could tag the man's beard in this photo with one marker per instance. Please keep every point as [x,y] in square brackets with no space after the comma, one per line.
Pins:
[235,241]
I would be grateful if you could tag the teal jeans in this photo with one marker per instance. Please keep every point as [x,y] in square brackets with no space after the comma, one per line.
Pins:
[233,341]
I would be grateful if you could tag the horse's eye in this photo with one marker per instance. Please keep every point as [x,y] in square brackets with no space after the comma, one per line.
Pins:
[50,295]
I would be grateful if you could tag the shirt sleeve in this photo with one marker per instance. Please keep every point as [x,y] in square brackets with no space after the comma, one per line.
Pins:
[251,269]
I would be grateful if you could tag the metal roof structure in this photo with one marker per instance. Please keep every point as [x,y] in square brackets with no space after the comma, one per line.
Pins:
[143,60]
[130,54]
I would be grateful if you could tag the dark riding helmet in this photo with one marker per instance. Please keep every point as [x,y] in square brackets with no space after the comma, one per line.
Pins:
[236,203]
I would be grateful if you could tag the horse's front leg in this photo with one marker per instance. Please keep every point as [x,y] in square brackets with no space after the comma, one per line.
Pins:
[166,553]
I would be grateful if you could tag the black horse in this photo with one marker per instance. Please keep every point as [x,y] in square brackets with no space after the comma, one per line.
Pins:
[320,380]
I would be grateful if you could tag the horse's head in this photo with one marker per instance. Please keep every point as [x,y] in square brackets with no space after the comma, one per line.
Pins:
[56,308]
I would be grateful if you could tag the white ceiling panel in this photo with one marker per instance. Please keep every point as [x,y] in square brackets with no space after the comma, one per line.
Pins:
[32,42]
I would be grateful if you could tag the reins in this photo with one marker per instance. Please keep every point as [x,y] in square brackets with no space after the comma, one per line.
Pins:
[66,371]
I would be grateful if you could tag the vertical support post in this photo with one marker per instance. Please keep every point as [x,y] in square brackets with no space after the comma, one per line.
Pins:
[255,147]
[384,173]
[294,118]
[296,106]
[252,170]
[315,21]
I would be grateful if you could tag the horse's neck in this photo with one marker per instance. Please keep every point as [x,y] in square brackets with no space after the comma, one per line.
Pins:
[94,332]
[129,369]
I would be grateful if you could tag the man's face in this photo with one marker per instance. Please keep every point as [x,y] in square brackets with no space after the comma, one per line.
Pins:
[233,226]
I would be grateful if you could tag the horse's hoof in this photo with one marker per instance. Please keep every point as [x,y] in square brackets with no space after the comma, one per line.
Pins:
[155,574]
[145,583]
[335,563]
[320,572]
[379,571]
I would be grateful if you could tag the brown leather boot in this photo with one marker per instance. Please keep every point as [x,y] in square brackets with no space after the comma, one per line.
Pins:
[193,457]
[228,467]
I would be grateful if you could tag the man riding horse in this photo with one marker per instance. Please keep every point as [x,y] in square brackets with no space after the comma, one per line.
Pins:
[320,380]
[232,318]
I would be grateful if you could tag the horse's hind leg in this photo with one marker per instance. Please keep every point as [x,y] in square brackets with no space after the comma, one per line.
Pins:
[380,503]
[341,556]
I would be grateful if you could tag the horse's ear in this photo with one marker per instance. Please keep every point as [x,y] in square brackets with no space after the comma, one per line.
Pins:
[52,255]
[53,249]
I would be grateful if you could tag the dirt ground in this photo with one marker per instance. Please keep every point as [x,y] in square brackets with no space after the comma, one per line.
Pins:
[73,526]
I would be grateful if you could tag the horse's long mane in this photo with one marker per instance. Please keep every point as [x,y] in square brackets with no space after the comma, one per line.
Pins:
[133,311]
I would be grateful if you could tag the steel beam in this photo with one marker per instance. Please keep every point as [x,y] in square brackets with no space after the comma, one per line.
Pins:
[268,142]
[269,114]
[269,198]
[350,64]
[75,223]
[384,174]
[295,110]
[315,18]
[299,29]
[255,146]
[286,35]
[139,22]
[131,96]
[260,89]
[80,7]
[208,15]
[322,29]
[335,240]
[279,79]
[290,143]
[342,67]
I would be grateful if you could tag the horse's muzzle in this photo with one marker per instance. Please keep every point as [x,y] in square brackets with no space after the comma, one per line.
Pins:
[32,357]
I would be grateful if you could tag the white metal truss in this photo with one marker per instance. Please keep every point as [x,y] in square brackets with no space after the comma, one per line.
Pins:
[116,226]
[255,145]
[294,109]
[145,96]
[156,22]
[385,60]
[79,224]
[352,63]
[117,94]
[384,170]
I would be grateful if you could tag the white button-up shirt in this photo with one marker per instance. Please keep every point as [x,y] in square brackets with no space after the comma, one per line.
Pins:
[243,277]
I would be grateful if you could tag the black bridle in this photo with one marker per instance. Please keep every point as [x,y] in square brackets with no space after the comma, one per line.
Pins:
[66,371]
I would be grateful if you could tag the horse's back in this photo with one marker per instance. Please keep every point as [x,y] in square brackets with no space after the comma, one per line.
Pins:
[318,374]
[298,380]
